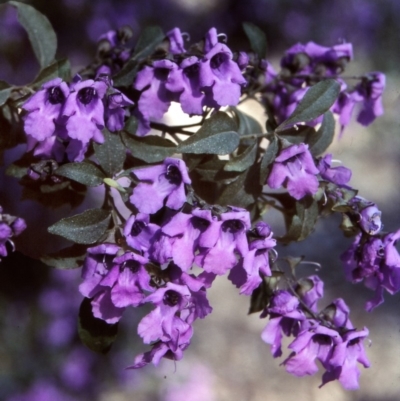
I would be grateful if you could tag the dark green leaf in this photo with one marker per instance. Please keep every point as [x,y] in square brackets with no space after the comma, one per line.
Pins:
[216,136]
[5,91]
[268,158]
[317,100]
[151,149]
[58,69]
[324,137]
[40,32]
[243,161]
[131,125]
[148,41]
[67,258]
[84,173]
[84,228]
[95,333]
[243,192]
[257,39]
[111,154]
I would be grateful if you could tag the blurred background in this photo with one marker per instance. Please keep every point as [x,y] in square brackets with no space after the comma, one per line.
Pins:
[41,357]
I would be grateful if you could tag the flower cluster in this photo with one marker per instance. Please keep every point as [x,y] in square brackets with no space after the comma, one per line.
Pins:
[154,264]
[304,65]
[212,80]
[328,336]
[61,121]
[10,226]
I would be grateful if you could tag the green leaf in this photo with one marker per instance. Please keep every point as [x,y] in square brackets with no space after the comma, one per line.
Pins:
[40,32]
[5,91]
[95,333]
[268,158]
[58,69]
[84,228]
[324,137]
[147,43]
[111,154]
[84,173]
[317,100]
[151,149]
[244,160]
[216,136]
[67,258]
[257,39]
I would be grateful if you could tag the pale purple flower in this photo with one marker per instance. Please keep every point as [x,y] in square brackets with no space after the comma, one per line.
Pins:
[221,76]
[222,240]
[84,111]
[370,89]
[310,290]
[285,316]
[294,169]
[315,343]
[338,175]
[184,233]
[139,232]
[10,226]
[161,182]
[247,273]
[176,42]
[114,113]
[343,362]
[155,97]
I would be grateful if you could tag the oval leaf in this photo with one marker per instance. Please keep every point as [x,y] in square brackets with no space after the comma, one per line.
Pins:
[151,149]
[257,39]
[111,154]
[268,158]
[243,161]
[58,69]
[84,228]
[317,100]
[5,91]
[84,173]
[216,136]
[67,258]
[324,137]
[40,32]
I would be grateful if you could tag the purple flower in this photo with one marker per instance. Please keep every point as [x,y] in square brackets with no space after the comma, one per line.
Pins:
[10,226]
[84,110]
[42,124]
[343,362]
[156,98]
[221,77]
[139,232]
[315,343]
[370,90]
[246,274]
[165,181]
[184,233]
[114,110]
[222,239]
[113,282]
[164,323]
[375,261]
[176,42]
[285,316]
[294,168]
[192,97]
[310,290]
[338,175]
